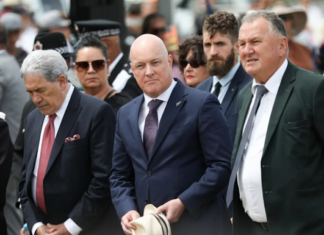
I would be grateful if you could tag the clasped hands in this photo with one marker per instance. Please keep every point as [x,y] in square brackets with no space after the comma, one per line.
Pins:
[51,229]
[173,208]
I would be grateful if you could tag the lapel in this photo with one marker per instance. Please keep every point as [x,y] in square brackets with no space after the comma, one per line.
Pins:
[118,68]
[172,109]
[279,105]
[70,116]
[208,84]
[37,128]
[232,89]
[246,101]
[135,108]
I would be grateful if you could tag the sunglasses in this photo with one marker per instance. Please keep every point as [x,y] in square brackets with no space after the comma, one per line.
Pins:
[156,31]
[193,63]
[97,65]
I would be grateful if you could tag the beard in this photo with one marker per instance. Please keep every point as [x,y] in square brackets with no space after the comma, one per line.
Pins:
[220,68]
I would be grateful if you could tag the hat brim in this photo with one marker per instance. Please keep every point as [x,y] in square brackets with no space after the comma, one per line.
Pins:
[150,209]
[298,14]
[67,55]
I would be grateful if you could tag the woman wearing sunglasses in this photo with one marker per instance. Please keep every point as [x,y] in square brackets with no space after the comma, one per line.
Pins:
[192,61]
[92,68]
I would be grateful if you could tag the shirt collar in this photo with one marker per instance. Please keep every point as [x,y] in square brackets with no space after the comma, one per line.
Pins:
[62,109]
[164,96]
[274,81]
[114,63]
[228,77]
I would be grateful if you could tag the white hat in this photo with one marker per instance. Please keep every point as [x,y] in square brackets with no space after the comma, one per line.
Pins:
[11,21]
[10,3]
[151,224]
[298,14]
[54,19]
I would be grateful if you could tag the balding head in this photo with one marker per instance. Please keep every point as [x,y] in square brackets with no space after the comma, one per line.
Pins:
[148,41]
[151,65]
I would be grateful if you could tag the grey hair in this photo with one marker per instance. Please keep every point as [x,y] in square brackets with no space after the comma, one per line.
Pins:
[276,25]
[45,63]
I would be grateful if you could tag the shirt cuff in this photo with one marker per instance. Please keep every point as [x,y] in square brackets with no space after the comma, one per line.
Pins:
[36,226]
[72,227]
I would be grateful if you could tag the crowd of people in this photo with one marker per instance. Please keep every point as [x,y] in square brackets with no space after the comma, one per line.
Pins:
[220,134]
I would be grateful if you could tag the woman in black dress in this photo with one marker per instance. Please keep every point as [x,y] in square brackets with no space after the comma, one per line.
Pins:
[92,68]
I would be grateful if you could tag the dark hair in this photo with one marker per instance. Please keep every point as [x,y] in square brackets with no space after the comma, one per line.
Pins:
[147,21]
[195,44]
[222,22]
[91,41]
[3,35]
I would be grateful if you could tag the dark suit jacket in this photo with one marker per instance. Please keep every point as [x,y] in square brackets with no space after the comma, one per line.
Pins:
[76,184]
[190,161]
[6,152]
[292,166]
[230,103]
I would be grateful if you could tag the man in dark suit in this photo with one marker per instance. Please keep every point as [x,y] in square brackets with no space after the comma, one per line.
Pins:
[278,157]
[167,155]
[121,77]
[6,153]
[220,34]
[67,156]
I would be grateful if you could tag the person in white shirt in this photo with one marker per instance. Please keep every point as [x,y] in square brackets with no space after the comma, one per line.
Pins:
[276,183]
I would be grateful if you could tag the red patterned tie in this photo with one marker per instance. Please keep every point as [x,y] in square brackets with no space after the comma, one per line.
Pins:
[47,144]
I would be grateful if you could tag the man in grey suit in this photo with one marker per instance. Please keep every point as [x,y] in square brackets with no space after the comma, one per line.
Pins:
[12,100]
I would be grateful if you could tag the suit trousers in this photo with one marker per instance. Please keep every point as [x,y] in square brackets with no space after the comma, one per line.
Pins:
[13,215]
[256,229]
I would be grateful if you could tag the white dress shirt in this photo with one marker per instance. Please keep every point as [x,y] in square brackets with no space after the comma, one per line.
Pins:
[70,225]
[145,109]
[249,176]
[225,82]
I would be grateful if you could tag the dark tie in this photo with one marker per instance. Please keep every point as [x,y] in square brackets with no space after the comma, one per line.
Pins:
[217,88]
[261,90]
[47,144]
[151,126]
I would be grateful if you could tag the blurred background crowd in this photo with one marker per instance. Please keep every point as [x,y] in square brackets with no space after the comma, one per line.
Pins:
[174,21]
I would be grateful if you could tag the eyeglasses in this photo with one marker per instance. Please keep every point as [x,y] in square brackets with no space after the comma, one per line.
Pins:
[97,65]
[156,31]
[193,63]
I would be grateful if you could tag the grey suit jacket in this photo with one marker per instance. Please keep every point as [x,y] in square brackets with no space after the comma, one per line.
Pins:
[13,95]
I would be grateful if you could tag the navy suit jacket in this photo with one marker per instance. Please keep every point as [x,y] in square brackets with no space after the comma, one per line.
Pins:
[189,161]
[76,184]
[230,102]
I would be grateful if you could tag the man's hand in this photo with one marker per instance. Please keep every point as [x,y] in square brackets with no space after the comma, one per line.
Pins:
[173,209]
[59,229]
[128,217]
[42,230]
[22,231]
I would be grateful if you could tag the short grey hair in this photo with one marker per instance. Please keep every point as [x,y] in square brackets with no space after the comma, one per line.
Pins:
[45,63]
[276,25]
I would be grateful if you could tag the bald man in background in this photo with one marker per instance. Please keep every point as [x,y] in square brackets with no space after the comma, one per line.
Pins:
[151,166]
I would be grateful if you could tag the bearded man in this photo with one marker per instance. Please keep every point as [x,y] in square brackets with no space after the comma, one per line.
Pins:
[220,35]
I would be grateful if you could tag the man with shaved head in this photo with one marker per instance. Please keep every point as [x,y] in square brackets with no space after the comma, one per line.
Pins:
[172,149]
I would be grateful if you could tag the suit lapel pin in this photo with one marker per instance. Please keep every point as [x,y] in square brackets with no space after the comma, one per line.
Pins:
[177,104]
[233,89]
